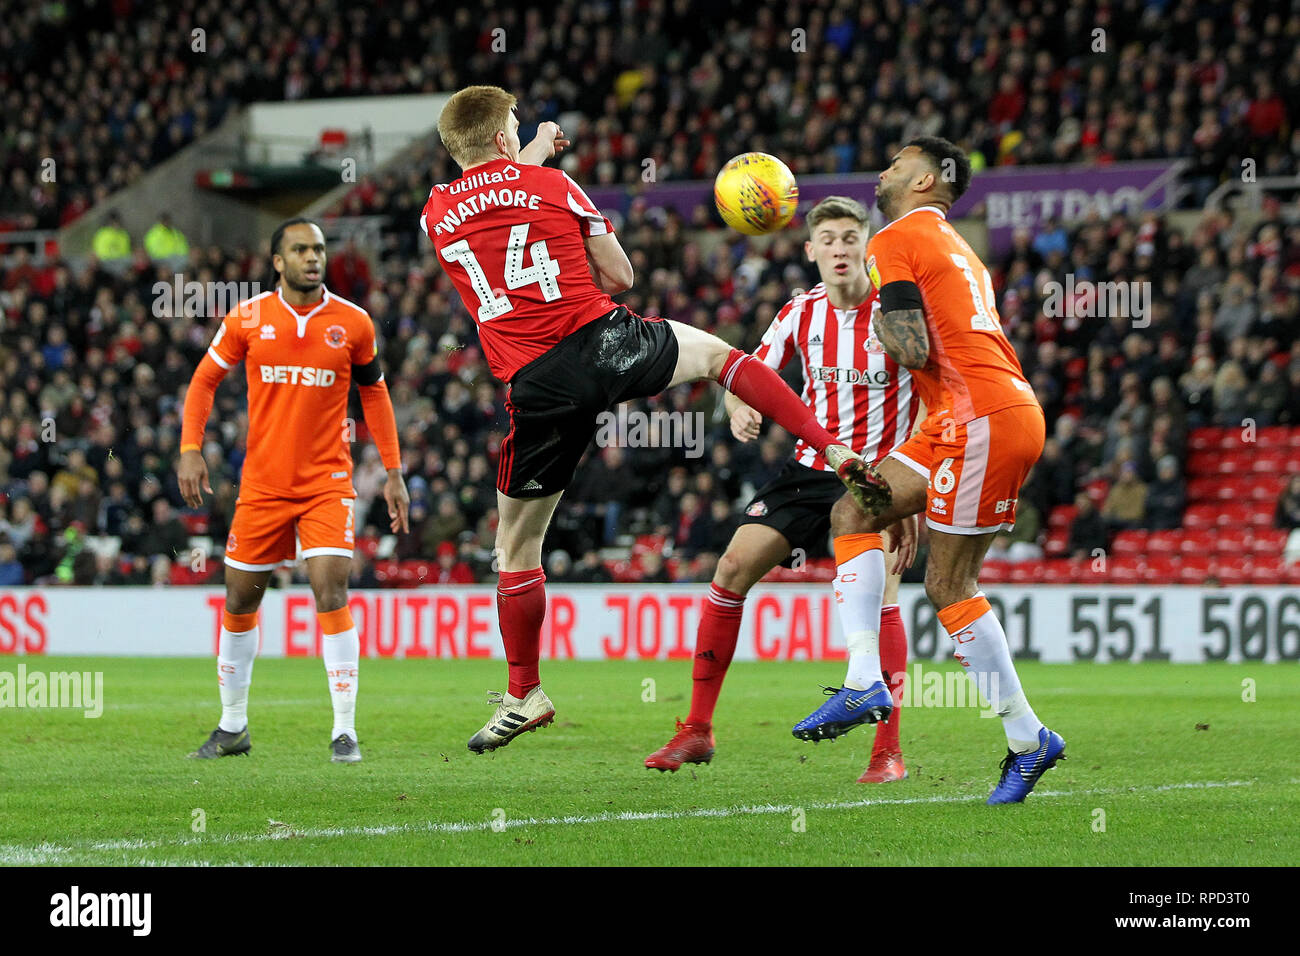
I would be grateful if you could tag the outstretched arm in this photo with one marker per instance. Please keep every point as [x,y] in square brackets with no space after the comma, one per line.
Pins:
[904,336]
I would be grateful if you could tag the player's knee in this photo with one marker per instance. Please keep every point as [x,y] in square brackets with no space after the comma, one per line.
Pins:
[330,597]
[943,588]
[242,603]
[733,573]
[848,518]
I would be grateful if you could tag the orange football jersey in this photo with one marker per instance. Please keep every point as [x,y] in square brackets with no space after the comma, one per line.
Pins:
[298,362]
[972,369]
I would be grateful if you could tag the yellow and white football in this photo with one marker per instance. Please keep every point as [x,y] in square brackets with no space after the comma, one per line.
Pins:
[756,193]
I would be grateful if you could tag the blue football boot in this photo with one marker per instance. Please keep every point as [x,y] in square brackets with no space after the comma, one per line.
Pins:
[845,710]
[1021,771]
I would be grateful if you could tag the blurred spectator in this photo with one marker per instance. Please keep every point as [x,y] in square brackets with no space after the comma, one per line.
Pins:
[1166,497]
[166,535]
[652,566]
[1287,515]
[559,566]
[362,572]
[590,570]
[1125,505]
[111,242]
[11,570]
[165,241]
[1087,530]
[444,525]
[451,570]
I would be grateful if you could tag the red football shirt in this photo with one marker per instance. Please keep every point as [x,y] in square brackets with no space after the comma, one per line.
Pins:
[510,235]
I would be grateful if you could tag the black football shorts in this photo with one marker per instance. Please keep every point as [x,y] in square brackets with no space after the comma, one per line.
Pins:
[797,503]
[553,401]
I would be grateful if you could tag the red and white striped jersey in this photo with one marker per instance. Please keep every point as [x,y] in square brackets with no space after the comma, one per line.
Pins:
[858,393]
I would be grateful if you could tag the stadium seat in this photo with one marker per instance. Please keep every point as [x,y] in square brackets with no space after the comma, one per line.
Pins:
[649,542]
[1164,542]
[1270,461]
[1125,568]
[1026,572]
[1062,516]
[1097,490]
[386,572]
[1233,573]
[995,571]
[1201,516]
[195,522]
[1194,569]
[1198,541]
[1161,569]
[1200,490]
[1057,571]
[1202,463]
[1274,436]
[1130,543]
[1267,569]
[1268,541]
[1057,540]
[1232,541]
[1204,439]
[1231,439]
[1260,513]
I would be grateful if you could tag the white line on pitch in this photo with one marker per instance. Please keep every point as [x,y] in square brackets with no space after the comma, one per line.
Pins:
[53,853]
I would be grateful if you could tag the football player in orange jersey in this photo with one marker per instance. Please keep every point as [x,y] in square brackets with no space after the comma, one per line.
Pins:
[982,433]
[302,347]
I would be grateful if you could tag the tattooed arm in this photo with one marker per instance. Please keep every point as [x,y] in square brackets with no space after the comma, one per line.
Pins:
[903,334]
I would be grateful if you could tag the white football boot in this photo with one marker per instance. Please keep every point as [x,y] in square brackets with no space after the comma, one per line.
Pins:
[513,717]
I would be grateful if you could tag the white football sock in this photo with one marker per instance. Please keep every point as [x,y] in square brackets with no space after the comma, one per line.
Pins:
[982,648]
[235,656]
[859,588]
[341,652]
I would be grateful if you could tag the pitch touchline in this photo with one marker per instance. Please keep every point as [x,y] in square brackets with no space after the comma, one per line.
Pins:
[49,853]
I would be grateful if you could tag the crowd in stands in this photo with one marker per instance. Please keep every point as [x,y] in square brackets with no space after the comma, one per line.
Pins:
[107,90]
[94,382]
[94,371]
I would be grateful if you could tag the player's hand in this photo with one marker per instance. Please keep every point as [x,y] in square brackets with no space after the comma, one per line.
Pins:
[745,423]
[549,141]
[902,543]
[399,502]
[192,476]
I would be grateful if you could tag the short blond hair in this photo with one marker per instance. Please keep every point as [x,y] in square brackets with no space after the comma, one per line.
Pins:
[471,120]
[836,207]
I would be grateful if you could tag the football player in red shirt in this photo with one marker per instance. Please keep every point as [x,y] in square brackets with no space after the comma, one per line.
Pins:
[535,263]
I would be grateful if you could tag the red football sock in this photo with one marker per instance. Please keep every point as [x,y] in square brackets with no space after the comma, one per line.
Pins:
[521,606]
[893,661]
[762,389]
[715,645]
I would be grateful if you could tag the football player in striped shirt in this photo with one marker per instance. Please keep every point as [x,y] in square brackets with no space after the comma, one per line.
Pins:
[866,399]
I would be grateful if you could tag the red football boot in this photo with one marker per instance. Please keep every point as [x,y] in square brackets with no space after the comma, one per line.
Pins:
[884,768]
[693,743]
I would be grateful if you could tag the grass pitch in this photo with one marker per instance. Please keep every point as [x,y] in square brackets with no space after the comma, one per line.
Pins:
[1142,785]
